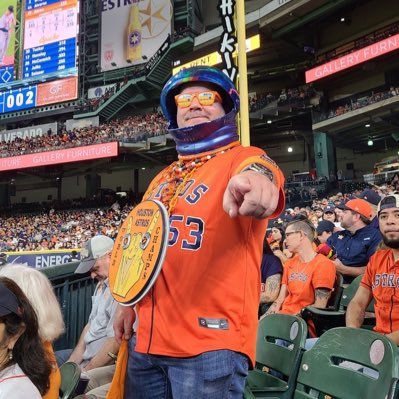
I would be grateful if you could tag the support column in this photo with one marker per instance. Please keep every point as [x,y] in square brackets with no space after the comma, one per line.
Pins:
[93,183]
[324,155]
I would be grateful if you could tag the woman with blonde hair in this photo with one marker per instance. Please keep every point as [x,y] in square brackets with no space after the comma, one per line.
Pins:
[39,291]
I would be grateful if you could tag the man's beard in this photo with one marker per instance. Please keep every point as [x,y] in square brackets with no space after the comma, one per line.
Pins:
[390,243]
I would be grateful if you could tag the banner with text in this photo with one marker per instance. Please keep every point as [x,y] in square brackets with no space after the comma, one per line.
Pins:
[132,31]
[76,154]
[355,58]
[29,132]
[40,259]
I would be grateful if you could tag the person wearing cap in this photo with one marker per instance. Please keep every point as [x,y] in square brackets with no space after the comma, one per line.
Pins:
[372,198]
[97,338]
[324,231]
[24,364]
[39,291]
[355,244]
[202,311]
[381,278]
[329,213]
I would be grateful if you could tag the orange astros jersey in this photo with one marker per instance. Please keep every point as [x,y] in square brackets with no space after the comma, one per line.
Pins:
[382,278]
[207,294]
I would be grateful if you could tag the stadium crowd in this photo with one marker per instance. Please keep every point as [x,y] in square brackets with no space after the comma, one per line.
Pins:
[129,130]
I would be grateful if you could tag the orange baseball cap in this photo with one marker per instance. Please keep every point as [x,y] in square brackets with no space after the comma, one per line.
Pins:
[359,206]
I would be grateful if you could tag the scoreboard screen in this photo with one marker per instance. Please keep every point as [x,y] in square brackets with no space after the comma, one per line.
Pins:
[50,33]
[48,72]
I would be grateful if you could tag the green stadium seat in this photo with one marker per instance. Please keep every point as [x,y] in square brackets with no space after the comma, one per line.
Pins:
[349,363]
[262,382]
[325,319]
[70,375]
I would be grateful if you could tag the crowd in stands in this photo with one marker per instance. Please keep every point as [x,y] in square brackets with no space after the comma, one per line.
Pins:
[297,97]
[51,230]
[131,129]
[360,101]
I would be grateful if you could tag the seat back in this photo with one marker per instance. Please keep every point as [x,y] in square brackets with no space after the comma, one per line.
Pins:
[70,375]
[350,291]
[271,355]
[347,363]
[336,294]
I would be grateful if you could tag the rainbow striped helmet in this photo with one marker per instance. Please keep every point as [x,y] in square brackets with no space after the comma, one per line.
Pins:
[223,85]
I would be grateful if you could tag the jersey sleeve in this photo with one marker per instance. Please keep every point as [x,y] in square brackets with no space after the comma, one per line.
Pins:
[367,279]
[254,155]
[324,275]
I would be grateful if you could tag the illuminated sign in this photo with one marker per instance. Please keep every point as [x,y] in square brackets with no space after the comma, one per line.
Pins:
[76,154]
[357,57]
[38,95]
[215,58]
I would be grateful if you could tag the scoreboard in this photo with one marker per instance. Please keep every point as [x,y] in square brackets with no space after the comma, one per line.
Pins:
[50,32]
[49,71]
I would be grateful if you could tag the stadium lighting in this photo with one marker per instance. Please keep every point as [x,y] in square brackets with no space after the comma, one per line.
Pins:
[370,142]
[269,121]
[367,125]
[290,149]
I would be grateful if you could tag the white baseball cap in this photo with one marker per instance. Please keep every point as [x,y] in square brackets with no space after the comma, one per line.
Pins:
[96,247]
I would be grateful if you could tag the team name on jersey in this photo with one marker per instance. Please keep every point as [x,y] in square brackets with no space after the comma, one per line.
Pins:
[191,193]
[385,280]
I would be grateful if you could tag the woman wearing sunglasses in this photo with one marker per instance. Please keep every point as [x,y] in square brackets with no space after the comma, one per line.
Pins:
[24,367]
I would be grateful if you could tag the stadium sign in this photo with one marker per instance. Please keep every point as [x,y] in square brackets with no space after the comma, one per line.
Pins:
[28,132]
[40,259]
[76,154]
[132,31]
[215,58]
[355,58]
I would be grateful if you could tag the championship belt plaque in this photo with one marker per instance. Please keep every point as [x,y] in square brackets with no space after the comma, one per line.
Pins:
[139,252]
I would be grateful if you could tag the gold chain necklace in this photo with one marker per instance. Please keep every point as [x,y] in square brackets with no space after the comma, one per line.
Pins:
[179,173]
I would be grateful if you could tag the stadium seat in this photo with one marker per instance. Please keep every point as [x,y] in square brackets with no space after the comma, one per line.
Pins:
[349,363]
[325,319]
[70,375]
[276,365]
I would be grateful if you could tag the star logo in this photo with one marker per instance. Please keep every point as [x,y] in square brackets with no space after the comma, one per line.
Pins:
[155,17]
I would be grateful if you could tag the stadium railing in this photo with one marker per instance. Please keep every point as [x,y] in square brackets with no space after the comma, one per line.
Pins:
[74,292]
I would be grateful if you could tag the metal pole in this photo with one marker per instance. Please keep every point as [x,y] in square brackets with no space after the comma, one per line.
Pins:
[242,72]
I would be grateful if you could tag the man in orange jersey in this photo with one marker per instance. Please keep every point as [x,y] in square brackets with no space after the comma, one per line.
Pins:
[381,278]
[197,326]
[308,277]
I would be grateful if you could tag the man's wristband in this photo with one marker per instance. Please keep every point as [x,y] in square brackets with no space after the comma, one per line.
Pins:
[262,169]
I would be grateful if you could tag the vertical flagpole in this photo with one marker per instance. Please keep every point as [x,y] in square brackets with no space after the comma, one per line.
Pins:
[242,72]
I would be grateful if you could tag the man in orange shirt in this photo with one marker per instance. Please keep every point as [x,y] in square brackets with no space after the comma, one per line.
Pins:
[308,277]
[381,278]
[197,326]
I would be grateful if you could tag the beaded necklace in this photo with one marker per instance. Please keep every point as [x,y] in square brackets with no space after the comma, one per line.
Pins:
[180,171]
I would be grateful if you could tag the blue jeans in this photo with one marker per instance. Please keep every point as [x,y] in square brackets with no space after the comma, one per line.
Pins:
[62,356]
[211,375]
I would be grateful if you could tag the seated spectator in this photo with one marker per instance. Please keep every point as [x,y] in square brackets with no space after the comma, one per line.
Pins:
[97,338]
[325,230]
[24,368]
[271,271]
[354,245]
[381,277]
[329,213]
[308,277]
[39,291]
[277,240]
